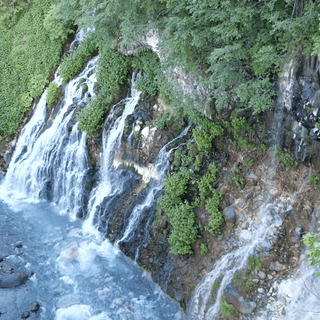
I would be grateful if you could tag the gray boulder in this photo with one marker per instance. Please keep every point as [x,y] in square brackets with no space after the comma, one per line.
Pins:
[229,214]
[13,280]
[238,301]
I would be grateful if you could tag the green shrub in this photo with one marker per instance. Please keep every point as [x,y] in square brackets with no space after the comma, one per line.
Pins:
[313,253]
[227,309]
[254,263]
[184,233]
[163,122]
[74,62]
[90,118]
[205,184]
[28,55]
[204,137]
[176,184]
[112,70]
[314,179]
[53,93]
[216,217]
[241,129]
[286,159]
[235,176]
[203,249]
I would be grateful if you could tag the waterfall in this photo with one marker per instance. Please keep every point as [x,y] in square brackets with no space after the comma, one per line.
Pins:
[111,183]
[55,154]
[74,271]
[161,169]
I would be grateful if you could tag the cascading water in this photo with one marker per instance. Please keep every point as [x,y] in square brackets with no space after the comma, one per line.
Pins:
[256,234]
[72,273]
[298,296]
[161,168]
[111,183]
[56,156]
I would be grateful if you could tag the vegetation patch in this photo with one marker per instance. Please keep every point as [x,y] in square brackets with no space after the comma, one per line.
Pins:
[53,93]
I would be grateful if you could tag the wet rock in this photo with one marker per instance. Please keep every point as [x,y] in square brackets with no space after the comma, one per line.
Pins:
[182,123]
[34,306]
[265,259]
[277,266]
[299,232]
[69,252]
[229,214]
[13,280]
[265,246]
[252,176]
[238,301]
[25,315]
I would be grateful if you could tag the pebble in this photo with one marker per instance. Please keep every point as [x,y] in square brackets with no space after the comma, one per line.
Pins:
[261,275]
[260,290]
[270,277]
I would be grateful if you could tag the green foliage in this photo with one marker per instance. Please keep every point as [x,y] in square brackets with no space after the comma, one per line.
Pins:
[163,122]
[180,213]
[286,159]
[197,164]
[54,23]
[112,70]
[314,179]
[248,162]
[203,249]
[240,130]
[10,12]
[313,253]
[214,290]
[28,54]
[74,62]
[181,159]
[184,234]
[216,217]
[205,184]
[235,177]
[254,262]
[148,63]
[53,93]
[90,118]
[204,137]
[227,309]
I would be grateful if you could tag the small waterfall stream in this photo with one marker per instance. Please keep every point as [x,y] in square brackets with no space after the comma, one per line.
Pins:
[261,229]
[110,182]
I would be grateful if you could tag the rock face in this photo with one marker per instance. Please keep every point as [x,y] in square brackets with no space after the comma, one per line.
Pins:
[13,280]
[234,298]
[229,214]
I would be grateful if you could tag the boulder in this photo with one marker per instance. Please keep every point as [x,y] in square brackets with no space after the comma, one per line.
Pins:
[265,259]
[229,214]
[69,252]
[13,280]
[238,301]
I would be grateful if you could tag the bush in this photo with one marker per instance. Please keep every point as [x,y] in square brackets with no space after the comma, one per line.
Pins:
[313,253]
[314,179]
[203,249]
[205,184]
[74,62]
[53,93]
[216,217]
[227,309]
[184,234]
[90,118]
[176,185]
